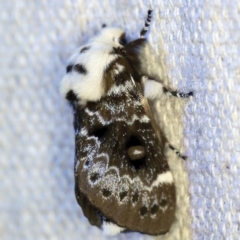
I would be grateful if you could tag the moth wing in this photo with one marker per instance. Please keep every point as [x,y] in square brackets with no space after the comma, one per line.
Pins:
[136,194]
[88,209]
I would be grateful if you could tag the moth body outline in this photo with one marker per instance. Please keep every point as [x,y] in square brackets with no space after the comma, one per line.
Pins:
[122,178]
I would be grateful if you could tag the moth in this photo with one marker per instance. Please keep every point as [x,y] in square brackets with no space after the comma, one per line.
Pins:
[122,179]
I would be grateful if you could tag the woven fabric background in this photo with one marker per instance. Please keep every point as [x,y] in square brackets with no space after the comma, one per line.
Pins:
[194,45]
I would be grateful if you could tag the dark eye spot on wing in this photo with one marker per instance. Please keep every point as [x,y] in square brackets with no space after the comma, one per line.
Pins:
[94,177]
[106,193]
[122,195]
[135,197]
[99,132]
[163,203]
[133,141]
[69,68]
[80,69]
[143,210]
[154,209]
[84,49]
[139,164]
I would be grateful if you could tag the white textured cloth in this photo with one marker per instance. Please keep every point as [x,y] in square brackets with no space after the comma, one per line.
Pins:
[195,46]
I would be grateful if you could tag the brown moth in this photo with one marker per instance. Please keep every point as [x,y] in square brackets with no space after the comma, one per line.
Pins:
[122,179]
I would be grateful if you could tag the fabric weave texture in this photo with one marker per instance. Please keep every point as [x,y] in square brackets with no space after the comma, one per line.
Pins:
[193,46]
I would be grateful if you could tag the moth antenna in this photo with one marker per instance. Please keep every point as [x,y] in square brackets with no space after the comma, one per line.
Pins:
[147,23]
[177,152]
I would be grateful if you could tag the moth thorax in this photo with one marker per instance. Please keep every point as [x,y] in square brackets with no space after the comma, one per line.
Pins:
[136,152]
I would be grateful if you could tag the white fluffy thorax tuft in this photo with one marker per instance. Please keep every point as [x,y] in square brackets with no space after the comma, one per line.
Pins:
[88,84]
[109,36]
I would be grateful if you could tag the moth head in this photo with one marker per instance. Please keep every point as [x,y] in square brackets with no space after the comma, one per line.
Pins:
[112,36]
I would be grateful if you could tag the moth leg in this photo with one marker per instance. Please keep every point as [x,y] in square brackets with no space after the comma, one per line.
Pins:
[176,93]
[147,23]
[177,152]
[154,90]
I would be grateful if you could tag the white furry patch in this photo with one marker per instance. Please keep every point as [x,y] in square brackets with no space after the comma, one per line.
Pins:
[109,36]
[163,178]
[111,229]
[89,86]
[152,89]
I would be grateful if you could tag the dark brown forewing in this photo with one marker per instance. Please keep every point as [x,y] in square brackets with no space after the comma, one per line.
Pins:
[137,196]
[88,209]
